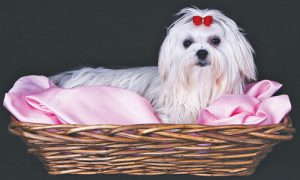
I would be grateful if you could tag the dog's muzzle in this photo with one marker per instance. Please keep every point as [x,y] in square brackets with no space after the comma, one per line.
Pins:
[202,57]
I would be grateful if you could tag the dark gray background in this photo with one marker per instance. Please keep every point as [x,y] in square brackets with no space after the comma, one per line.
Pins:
[46,37]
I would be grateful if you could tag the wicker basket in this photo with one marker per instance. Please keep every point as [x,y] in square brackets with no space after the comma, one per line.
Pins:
[152,149]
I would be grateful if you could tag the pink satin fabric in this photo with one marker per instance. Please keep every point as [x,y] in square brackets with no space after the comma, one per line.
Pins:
[36,99]
[256,107]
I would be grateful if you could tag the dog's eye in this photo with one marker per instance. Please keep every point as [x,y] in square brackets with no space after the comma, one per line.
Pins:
[215,40]
[187,43]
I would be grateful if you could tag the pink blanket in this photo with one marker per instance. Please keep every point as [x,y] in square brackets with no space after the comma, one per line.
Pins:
[36,99]
[255,107]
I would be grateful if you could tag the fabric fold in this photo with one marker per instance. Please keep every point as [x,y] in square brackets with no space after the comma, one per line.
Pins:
[255,107]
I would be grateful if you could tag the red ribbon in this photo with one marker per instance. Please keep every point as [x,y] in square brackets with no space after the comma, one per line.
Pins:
[207,20]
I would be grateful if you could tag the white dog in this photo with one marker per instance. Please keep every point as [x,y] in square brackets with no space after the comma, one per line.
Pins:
[203,56]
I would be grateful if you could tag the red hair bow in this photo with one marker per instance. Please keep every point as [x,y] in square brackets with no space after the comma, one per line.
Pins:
[207,20]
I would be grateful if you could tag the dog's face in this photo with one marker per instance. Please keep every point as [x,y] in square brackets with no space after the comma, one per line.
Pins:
[215,56]
[198,45]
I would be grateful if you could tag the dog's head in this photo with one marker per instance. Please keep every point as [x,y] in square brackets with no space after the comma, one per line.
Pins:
[207,48]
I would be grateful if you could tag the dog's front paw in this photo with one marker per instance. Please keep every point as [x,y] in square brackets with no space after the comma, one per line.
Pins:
[164,118]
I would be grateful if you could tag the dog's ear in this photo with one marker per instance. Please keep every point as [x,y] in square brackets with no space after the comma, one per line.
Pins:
[242,50]
[243,53]
[165,55]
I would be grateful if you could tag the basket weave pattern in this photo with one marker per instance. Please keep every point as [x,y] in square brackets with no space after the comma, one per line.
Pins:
[152,149]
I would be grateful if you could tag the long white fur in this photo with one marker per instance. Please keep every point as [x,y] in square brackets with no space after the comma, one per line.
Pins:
[179,88]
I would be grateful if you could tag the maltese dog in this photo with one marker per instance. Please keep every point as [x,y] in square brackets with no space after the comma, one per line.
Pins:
[203,57]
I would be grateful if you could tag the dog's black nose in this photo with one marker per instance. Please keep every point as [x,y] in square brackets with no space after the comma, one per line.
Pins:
[202,54]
